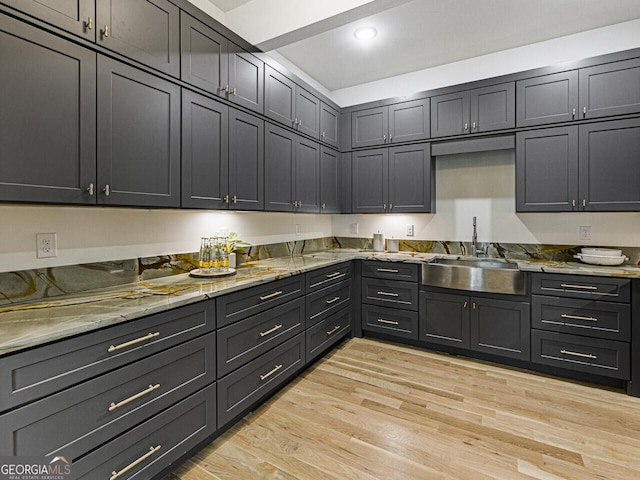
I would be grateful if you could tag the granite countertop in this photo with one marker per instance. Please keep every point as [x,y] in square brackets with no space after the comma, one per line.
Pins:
[31,324]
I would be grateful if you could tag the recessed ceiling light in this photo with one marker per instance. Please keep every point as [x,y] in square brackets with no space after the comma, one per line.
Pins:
[365,33]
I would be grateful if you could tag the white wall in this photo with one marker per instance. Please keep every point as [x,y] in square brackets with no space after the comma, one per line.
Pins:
[87,234]
[483,185]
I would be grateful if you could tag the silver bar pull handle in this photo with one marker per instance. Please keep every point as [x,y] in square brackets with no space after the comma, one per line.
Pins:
[90,189]
[106,190]
[235,199]
[579,317]
[573,113]
[271,372]
[271,330]
[152,450]
[584,111]
[388,270]
[105,31]
[148,336]
[333,300]
[226,199]
[89,24]
[388,294]
[334,274]
[579,287]
[578,354]
[390,322]
[124,402]
[271,295]
[333,330]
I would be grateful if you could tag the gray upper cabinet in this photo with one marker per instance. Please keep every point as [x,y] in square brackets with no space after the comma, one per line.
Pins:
[75,16]
[330,180]
[213,63]
[479,110]
[609,171]
[138,137]
[291,105]
[392,180]
[145,30]
[401,122]
[246,161]
[610,89]
[329,125]
[291,171]
[548,99]
[593,167]
[48,117]
[547,170]
[205,152]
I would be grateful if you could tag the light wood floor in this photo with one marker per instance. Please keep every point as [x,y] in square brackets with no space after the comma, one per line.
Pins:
[374,410]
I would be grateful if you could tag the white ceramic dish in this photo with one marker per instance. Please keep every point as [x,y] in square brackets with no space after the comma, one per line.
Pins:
[603,252]
[601,259]
[200,274]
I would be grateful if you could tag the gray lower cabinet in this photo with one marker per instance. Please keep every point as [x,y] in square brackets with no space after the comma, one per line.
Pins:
[400,122]
[145,30]
[292,166]
[75,16]
[328,276]
[246,386]
[392,180]
[326,301]
[327,332]
[587,168]
[390,321]
[547,99]
[474,111]
[147,450]
[330,181]
[444,319]
[135,109]
[48,116]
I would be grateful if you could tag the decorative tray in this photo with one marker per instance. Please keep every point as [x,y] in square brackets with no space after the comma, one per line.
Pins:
[199,273]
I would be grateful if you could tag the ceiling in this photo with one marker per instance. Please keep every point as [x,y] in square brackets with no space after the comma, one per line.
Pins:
[412,34]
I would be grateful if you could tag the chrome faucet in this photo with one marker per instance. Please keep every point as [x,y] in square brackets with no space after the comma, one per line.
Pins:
[474,242]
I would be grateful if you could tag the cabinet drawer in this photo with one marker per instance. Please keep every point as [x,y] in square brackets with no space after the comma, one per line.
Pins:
[591,355]
[168,435]
[242,304]
[33,374]
[400,323]
[392,271]
[245,340]
[109,404]
[328,276]
[329,300]
[243,388]
[582,317]
[328,332]
[596,288]
[390,293]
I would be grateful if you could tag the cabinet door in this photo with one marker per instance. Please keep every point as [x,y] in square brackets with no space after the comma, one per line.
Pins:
[205,152]
[500,327]
[47,117]
[204,60]
[409,121]
[138,137]
[547,99]
[280,97]
[450,114]
[329,125]
[547,170]
[410,184]
[330,181]
[493,108]
[610,166]
[246,161]
[246,79]
[369,127]
[307,113]
[370,185]
[279,157]
[145,30]
[610,89]
[306,176]
[75,16]
[444,319]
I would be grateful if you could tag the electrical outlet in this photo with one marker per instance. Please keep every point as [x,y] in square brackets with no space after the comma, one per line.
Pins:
[585,232]
[46,245]
[297,229]
[354,228]
[409,230]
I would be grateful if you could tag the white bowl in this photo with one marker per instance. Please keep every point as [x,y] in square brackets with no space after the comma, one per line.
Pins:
[608,252]
[601,259]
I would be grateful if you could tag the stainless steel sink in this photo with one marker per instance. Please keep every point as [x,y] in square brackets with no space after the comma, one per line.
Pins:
[475,274]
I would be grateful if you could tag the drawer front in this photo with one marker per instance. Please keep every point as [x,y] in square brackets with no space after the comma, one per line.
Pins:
[109,404]
[582,317]
[390,293]
[30,375]
[249,338]
[158,442]
[243,388]
[390,270]
[390,321]
[591,355]
[325,277]
[327,301]
[328,332]
[596,288]
[238,305]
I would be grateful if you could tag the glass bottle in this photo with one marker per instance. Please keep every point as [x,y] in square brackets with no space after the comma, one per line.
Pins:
[205,255]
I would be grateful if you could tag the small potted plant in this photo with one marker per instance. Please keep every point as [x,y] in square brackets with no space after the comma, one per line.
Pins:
[230,246]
